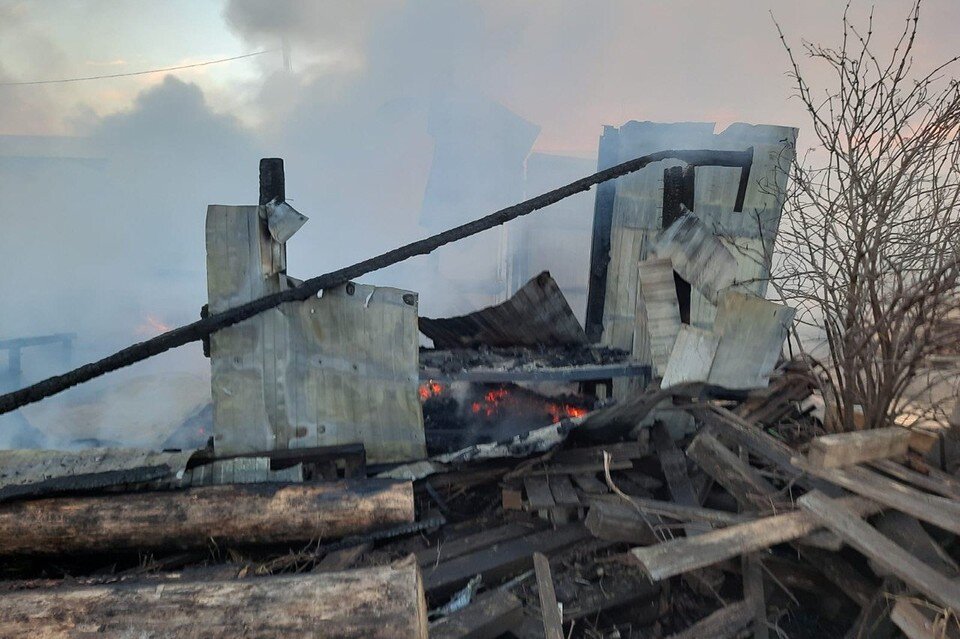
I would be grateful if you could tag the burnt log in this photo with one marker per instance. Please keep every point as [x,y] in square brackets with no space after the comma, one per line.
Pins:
[373,603]
[237,514]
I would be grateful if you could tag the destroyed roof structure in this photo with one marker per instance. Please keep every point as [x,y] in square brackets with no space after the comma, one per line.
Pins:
[662,472]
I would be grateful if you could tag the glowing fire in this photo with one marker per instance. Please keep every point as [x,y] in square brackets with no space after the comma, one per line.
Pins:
[430,389]
[151,325]
[562,411]
[492,401]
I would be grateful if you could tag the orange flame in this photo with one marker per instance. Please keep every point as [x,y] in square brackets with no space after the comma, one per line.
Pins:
[151,325]
[430,389]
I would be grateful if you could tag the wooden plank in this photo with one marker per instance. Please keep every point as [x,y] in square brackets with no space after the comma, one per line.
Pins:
[552,623]
[920,480]
[862,536]
[501,559]
[746,485]
[590,484]
[753,594]
[674,465]
[564,494]
[909,534]
[488,616]
[933,509]
[725,623]
[873,621]
[847,449]
[675,511]
[619,452]
[762,445]
[449,549]
[621,522]
[918,622]
[538,493]
[840,573]
[678,556]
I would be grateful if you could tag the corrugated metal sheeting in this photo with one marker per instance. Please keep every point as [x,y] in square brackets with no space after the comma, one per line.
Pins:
[538,314]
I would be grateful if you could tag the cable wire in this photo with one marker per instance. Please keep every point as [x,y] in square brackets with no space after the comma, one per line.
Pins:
[124,75]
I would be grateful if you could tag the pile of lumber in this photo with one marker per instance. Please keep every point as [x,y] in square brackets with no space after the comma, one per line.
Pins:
[707,516]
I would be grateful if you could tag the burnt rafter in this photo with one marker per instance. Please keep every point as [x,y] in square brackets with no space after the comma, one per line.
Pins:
[199,329]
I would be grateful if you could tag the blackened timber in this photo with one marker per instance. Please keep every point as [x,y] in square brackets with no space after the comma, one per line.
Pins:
[487,617]
[609,153]
[500,560]
[197,330]
[272,184]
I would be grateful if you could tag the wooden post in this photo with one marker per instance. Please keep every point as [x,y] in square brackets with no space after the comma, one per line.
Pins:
[373,603]
[272,184]
[231,514]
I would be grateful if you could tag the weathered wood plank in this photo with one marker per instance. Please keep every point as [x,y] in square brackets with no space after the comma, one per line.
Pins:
[866,539]
[917,622]
[449,549]
[674,465]
[920,480]
[678,556]
[590,484]
[564,494]
[501,559]
[552,623]
[846,449]
[725,623]
[936,510]
[740,479]
[487,617]
[538,493]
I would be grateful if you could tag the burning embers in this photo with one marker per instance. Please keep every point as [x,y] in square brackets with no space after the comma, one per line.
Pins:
[460,414]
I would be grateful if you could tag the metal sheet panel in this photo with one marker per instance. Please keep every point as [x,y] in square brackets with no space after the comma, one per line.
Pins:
[32,473]
[336,369]
[538,314]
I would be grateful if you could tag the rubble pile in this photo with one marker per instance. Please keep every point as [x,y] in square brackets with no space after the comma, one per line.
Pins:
[677,478]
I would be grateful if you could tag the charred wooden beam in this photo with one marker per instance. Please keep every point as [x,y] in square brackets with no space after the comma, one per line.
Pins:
[197,330]
[272,183]
[232,514]
[372,603]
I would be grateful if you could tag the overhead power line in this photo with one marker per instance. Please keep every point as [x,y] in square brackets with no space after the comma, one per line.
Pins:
[124,75]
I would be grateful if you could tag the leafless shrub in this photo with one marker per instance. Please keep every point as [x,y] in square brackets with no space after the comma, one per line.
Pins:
[870,235]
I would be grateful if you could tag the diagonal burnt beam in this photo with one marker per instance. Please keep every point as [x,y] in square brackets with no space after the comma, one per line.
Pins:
[196,331]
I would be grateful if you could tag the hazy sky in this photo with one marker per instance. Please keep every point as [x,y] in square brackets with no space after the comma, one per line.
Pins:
[569,66]
[105,247]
